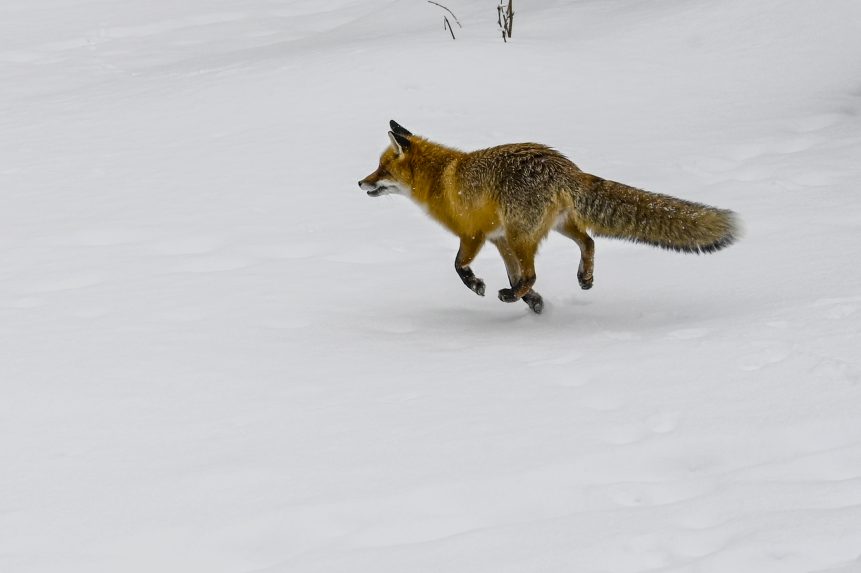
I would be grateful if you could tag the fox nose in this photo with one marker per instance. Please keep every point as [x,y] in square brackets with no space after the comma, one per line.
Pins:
[360,184]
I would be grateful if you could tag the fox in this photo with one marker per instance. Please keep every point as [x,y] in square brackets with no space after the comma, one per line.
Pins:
[514,195]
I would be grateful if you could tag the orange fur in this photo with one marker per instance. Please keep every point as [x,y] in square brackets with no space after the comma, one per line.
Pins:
[514,195]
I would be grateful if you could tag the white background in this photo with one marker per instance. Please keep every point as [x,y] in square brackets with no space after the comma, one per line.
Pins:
[217,354]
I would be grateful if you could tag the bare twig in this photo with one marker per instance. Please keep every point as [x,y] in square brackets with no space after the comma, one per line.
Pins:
[505,18]
[447,25]
[456,21]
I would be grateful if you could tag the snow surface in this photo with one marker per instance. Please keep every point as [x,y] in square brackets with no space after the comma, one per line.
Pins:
[219,355]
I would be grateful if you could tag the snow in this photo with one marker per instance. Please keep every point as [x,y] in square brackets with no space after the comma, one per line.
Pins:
[220,355]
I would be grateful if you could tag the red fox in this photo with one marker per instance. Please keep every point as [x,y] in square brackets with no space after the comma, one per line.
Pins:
[514,195]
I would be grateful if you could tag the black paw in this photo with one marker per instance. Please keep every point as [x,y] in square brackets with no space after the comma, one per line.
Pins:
[507,295]
[477,286]
[535,302]
[585,282]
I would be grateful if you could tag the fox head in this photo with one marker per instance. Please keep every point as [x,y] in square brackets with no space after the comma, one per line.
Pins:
[394,174]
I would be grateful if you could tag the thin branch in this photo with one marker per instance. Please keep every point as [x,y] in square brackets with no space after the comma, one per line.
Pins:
[447,25]
[456,21]
[505,18]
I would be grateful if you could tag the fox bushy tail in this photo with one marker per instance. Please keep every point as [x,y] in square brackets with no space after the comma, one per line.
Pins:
[619,211]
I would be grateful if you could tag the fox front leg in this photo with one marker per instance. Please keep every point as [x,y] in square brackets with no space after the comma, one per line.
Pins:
[469,247]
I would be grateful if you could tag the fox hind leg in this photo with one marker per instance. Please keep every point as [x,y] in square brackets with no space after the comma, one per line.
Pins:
[516,280]
[585,270]
[469,247]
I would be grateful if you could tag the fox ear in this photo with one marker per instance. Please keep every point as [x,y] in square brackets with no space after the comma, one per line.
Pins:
[398,128]
[399,142]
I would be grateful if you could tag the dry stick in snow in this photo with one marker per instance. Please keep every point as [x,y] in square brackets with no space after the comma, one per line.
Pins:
[456,21]
[447,25]
[505,18]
